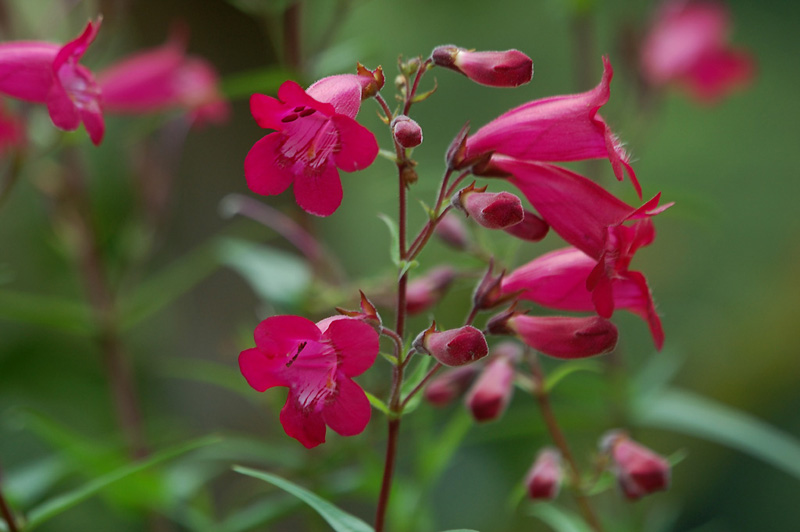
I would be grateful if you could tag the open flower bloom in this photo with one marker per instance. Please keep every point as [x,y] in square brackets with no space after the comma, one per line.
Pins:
[688,44]
[560,128]
[585,215]
[316,362]
[315,133]
[48,73]
[164,78]
[558,280]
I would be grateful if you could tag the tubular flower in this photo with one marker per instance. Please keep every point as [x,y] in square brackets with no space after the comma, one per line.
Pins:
[315,133]
[688,44]
[493,210]
[509,68]
[585,215]
[543,480]
[48,73]
[424,292]
[164,78]
[316,362]
[639,470]
[491,393]
[450,384]
[560,128]
[453,347]
[558,280]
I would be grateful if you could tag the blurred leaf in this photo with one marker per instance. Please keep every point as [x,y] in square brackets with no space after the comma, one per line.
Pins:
[164,287]
[704,418]
[258,514]
[276,276]
[559,520]
[377,403]
[435,456]
[263,81]
[260,7]
[61,503]
[220,375]
[657,373]
[566,369]
[394,244]
[62,314]
[413,380]
[339,520]
[28,483]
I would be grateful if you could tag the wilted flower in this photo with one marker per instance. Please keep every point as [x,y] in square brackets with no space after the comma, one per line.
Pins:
[453,347]
[543,480]
[688,44]
[315,133]
[509,68]
[43,72]
[639,470]
[316,362]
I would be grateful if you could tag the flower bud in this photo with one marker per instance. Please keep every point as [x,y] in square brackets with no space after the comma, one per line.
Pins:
[451,231]
[488,293]
[532,228]
[450,384]
[368,314]
[639,470]
[559,336]
[490,394]
[543,481]
[491,210]
[510,68]
[424,292]
[454,347]
[406,132]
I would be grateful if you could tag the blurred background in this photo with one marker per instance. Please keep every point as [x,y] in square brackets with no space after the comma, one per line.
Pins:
[189,283]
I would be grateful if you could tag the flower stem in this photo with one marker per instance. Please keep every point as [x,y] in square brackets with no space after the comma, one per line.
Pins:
[388,469]
[542,397]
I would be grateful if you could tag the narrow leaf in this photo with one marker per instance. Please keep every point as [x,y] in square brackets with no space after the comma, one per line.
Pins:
[412,381]
[704,418]
[61,503]
[378,404]
[394,245]
[564,370]
[558,519]
[61,314]
[339,520]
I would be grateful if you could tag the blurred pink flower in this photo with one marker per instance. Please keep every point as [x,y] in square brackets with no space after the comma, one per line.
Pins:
[491,393]
[12,131]
[316,362]
[43,72]
[688,44]
[543,481]
[509,68]
[315,133]
[164,78]
[639,470]
[558,280]
[560,128]
[425,291]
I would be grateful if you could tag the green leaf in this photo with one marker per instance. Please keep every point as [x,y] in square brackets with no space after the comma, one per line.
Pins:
[276,276]
[244,84]
[406,266]
[566,369]
[436,454]
[413,380]
[61,314]
[378,404]
[339,520]
[558,519]
[394,245]
[691,414]
[194,369]
[259,514]
[61,503]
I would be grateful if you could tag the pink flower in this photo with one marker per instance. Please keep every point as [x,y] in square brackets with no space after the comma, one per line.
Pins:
[450,384]
[164,78]
[316,362]
[453,347]
[406,132]
[558,280]
[43,72]
[560,128]
[532,228]
[544,478]
[585,215]
[493,210]
[12,131]
[424,292]
[639,470]
[688,44]
[491,393]
[315,133]
[509,68]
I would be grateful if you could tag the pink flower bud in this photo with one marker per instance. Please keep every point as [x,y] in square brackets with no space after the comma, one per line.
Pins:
[559,336]
[451,231]
[510,68]
[368,314]
[450,384]
[424,292]
[532,228]
[543,481]
[491,393]
[406,132]
[491,210]
[639,470]
[454,347]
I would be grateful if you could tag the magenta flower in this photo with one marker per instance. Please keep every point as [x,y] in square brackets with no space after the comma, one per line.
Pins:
[316,362]
[493,210]
[315,133]
[164,78]
[532,228]
[543,481]
[688,44]
[509,68]
[639,470]
[424,292]
[585,215]
[453,347]
[43,72]
[450,384]
[560,128]
[558,280]
[406,132]
[491,393]
[12,131]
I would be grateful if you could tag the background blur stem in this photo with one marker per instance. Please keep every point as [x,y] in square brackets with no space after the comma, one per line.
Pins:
[90,264]
[540,391]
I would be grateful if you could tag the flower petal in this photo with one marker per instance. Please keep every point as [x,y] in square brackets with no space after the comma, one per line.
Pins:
[348,414]
[356,345]
[93,122]
[261,371]
[285,332]
[62,109]
[342,91]
[263,170]
[319,193]
[357,147]
[306,426]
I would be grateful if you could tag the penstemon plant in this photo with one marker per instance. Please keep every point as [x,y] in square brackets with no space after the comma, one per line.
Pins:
[315,134]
